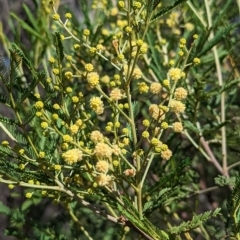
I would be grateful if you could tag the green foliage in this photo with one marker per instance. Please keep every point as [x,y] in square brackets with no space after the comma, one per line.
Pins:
[139,223]
[218,37]
[157,63]
[224,181]
[233,206]
[167,191]
[195,222]
[136,108]
[164,10]
[4,209]
[59,47]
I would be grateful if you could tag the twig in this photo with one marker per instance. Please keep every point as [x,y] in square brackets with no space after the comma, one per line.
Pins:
[220,82]
[211,156]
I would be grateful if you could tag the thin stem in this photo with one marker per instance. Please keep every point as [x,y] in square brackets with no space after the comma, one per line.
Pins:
[211,155]
[23,184]
[138,162]
[188,236]
[85,203]
[196,12]
[110,209]
[150,161]
[7,132]
[208,154]
[204,191]
[236,221]
[233,165]
[75,219]
[220,82]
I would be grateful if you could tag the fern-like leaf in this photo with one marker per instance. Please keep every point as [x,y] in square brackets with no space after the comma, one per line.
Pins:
[136,108]
[4,71]
[59,46]
[233,206]
[4,99]
[167,9]
[224,181]
[10,121]
[189,125]
[28,91]
[218,37]
[215,128]
[141,224]
[30,115]
[157,200]
[172,179]
[195,222]
[16,56]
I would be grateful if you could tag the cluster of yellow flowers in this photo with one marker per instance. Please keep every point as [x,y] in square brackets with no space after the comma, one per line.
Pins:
[177,106]
[96,136]
[167,96]
[72,156]
[155,88]
[156,112]
[180,93]
[102,150]
[103,179]
[96,104]
[93,79]
[116,94]
[175,74]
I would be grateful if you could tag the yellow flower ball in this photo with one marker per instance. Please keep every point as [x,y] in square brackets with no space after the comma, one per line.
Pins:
[68,15]
[72,156]
[41,154]
[44,125]
[56,17]
[39,105]
[86,32]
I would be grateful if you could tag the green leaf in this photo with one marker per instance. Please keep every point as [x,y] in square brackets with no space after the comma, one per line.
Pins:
[155,55]
[157,200]
[195,222]
[4,99]
[142,225]
[28,91]
[233,140]
[85,11]
[136,108]
[152,4]
[27,204]
[215,128]
[167,9]
[27,27]
[8,121]
[190,126]
[173,178]
[31,17]
[59,46]
[4,209]
[4,71]
[233,207]
[217,38]
[5,151]
[224,181]
[224,88]
[30,116]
